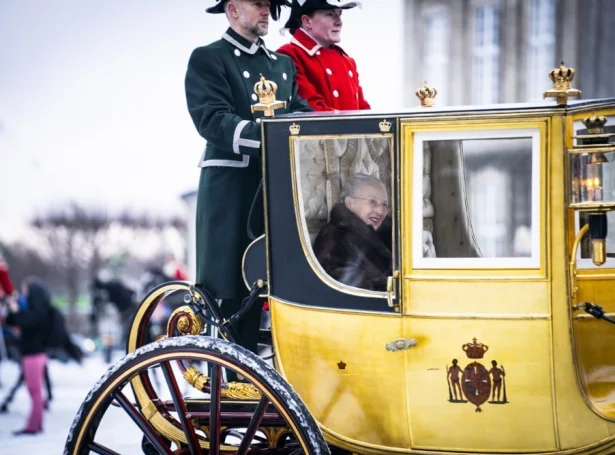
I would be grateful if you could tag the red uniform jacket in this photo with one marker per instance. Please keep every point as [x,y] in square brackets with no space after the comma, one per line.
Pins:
[327,78]
[5,280]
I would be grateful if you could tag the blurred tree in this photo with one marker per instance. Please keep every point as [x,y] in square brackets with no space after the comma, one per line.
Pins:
[24,261]
[76,238]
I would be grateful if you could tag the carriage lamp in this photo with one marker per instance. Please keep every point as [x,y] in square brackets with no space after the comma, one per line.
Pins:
[592,166]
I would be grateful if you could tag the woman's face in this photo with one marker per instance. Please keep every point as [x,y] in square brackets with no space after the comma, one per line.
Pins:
[371,204]
[325,26]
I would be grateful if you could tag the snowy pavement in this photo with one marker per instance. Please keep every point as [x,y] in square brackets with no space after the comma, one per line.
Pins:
[71,383]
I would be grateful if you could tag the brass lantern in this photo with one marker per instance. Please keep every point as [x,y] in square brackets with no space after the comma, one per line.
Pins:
[592,169]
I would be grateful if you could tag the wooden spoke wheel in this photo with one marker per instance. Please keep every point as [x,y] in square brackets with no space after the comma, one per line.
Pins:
[274,421]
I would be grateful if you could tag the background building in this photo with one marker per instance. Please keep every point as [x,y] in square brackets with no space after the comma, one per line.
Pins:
[500,51]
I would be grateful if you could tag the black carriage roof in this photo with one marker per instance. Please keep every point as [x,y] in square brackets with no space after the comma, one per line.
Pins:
[536,107]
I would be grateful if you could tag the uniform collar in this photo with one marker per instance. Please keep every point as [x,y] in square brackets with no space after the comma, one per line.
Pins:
[243,44]
[305,41]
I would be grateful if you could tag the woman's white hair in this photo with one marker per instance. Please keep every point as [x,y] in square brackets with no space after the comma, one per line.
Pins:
[358,181]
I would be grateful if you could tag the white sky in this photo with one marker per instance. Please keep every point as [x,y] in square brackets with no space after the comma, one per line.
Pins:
[92,103]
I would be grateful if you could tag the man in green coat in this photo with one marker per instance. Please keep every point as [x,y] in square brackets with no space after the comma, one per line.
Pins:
[220,93]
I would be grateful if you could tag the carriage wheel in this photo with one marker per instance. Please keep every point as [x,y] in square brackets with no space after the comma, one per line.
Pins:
[276,423]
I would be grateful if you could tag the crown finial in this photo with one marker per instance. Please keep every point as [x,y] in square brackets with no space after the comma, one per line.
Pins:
[562,77]
[266,90]
[562,84]
[426,95]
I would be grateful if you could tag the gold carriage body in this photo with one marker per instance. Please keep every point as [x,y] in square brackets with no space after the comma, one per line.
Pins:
[468,350]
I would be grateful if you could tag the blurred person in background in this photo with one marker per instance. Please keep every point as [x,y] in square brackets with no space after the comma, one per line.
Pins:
[35,330]
[58,345]
[6,290]
[327,76]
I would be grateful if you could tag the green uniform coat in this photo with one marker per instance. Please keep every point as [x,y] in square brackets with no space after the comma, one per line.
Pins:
[220,92]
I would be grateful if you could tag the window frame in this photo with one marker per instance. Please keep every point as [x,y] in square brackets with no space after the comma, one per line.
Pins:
[536,260]
[304,235]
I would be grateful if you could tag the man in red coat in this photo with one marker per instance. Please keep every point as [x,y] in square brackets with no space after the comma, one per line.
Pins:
[6,285]
[326,76]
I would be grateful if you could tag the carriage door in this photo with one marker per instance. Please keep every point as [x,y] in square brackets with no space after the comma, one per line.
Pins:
[331,321]
[475,288]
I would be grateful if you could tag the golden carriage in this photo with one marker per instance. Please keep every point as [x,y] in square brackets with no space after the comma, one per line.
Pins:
[489,338]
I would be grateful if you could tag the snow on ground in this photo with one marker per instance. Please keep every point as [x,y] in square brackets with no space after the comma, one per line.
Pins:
[71,383]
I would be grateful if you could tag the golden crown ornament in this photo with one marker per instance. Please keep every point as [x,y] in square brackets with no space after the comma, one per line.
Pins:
[294,129]
[475,350]
[385,126]
[426,95]
[562,84]
[266,90]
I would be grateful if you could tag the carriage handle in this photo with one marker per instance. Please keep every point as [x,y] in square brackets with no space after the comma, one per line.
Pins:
[391,290]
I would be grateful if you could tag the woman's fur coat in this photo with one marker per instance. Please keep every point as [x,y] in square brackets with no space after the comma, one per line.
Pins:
[352,252]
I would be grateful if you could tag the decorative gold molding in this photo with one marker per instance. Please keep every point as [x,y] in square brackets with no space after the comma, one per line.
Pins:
[186,322]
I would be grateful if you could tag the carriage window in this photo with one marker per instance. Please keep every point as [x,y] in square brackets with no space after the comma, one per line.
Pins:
[479,199]
[344,208]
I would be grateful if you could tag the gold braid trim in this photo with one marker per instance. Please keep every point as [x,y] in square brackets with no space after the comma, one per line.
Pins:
[195,378]
[232,390]
[240,391]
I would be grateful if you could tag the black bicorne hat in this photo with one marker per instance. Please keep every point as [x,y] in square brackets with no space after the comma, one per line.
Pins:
[301,7]
[276,7]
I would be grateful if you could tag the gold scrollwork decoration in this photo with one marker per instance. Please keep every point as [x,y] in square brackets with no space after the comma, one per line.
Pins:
[186,322]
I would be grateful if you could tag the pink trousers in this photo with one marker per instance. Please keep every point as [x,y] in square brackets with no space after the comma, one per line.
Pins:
[34,373]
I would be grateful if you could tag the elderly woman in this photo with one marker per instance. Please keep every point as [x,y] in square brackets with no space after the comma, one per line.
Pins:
[349,247]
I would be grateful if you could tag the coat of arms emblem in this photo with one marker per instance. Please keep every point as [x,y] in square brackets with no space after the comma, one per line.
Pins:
[475,384]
